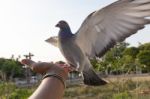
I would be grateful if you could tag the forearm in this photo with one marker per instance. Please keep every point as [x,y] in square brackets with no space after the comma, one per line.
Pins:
[50,88]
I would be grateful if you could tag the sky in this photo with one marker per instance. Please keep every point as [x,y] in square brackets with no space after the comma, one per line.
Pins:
[25,24]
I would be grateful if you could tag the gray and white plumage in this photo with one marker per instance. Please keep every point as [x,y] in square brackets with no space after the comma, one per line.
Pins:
[100,31]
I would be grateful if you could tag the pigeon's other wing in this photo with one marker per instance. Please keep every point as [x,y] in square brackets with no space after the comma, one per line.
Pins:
[53,41]
[102,29]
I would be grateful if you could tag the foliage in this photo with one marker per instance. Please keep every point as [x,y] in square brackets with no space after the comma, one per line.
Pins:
[10,91]
[10,68]
[124,59]
[6,89]
[21,94]
[145,46]
[144,57]
[131,51]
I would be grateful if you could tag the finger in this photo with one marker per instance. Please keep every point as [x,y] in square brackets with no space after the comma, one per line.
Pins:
[68,68]
[23,61]
[27,62]
[71,69]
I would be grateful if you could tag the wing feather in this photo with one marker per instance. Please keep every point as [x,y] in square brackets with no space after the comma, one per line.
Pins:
[53,41]
[102,29]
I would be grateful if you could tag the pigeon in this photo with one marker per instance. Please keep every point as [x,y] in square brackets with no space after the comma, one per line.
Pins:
[99,32]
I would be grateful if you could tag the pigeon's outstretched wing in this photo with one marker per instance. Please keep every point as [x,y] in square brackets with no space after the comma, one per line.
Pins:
[103,28]
[53,40]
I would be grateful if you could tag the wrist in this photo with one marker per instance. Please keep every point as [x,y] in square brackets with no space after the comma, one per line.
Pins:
[58,70]
[55,76]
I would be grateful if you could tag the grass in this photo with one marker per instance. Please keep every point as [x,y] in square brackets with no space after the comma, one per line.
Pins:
[125,89]
[10,91]
[117,89]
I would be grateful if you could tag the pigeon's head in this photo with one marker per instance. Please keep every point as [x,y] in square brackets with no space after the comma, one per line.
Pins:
[62,24]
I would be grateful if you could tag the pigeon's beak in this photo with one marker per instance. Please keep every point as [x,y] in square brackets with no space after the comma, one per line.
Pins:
[57,25]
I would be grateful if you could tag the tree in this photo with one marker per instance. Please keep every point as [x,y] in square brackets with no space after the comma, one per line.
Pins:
[128,64]
[131,51]
[10,68]
[2,75]
[145,46]
[144,59]
[125,59]
[111,60]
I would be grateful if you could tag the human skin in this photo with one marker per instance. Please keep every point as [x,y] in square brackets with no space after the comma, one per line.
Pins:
[50,87]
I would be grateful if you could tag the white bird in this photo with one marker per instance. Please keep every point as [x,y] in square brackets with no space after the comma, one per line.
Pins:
[99,32]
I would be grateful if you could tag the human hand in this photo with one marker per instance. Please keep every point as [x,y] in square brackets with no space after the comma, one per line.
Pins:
[44,67]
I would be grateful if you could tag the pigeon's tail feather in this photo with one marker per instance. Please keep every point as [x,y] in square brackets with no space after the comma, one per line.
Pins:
[92,79]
